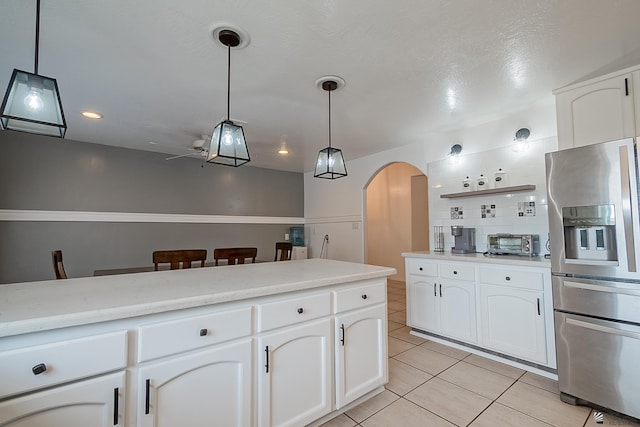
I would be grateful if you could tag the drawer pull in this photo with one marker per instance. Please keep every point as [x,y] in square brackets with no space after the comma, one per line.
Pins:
[204,332]
[147,386]
[115,406]
[455,272]
[507,278]
[364,296]
[300,310]
[420,268]
[342,330]
[39,368]
[266,365]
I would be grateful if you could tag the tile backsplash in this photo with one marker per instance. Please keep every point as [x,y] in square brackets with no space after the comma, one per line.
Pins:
[523,212]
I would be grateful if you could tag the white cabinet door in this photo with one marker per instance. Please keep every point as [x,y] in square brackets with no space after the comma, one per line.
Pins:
[598,112]
[458,309]
[361,353]
[210,387]
[295,374]
[422,303]
[98,402]
[513,322]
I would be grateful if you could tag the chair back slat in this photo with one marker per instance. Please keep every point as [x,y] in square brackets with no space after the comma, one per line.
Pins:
[58,266]
[284,250]
[179,258]
[235,255]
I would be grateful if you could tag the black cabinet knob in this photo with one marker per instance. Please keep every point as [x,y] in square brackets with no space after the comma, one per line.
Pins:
[455,272]
[39,368]
[203,332]
[364,296]
[300,310]
[420,268]
[507,278]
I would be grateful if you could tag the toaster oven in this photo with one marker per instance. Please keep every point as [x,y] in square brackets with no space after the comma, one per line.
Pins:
[513,244]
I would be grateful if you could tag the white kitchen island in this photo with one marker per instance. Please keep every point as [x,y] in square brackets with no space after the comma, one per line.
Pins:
[499,307]
[286,343]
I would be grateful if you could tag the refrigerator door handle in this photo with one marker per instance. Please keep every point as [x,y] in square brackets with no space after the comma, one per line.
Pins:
[604,329]
[627,207]
[619,289]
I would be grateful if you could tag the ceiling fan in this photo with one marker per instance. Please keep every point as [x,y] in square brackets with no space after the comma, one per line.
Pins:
[197,148]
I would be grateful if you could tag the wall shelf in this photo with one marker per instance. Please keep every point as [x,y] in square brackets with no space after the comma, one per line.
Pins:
[512,189]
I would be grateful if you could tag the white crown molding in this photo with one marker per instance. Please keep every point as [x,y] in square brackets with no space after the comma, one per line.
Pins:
[333,219]
[84,216]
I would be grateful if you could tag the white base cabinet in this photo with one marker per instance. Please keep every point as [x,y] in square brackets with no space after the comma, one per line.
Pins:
[361,353]
[213,384]
[98,402]
[513,322]
[294,384]
[502,308]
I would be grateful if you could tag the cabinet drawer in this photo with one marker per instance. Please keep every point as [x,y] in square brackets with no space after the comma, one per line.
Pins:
[192,332]
[61,362]
[521,279]
[293,310]
[422,267]
[457,271]
[360,296]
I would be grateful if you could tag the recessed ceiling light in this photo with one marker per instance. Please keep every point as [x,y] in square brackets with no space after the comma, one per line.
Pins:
[92,115]
[283,151]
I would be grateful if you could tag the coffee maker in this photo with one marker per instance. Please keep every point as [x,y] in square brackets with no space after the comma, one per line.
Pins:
[465,240]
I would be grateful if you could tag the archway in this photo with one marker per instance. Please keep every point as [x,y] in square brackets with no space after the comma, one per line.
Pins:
[396,216]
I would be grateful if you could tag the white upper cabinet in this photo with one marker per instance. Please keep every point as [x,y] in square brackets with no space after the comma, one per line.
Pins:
[598,110]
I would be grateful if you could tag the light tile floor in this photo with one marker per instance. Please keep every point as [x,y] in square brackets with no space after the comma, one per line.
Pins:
[434,385]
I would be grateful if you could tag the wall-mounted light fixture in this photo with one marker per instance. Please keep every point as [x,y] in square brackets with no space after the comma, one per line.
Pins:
[228,146]
[454,153]
[521,144]
[330,163]
[32,102]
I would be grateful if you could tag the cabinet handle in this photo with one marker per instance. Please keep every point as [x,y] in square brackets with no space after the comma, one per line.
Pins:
[39,368]
[435,290]
[342,330]
[538,300]
[364,296]
[420,268]
[455,272]
[626,87]
[507,278]
[300,310]
[146,396]
[203,332]
[266,365]
[115,406]
[440,290]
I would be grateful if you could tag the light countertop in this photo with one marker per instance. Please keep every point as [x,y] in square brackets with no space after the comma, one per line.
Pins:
[481,258]
[37,306]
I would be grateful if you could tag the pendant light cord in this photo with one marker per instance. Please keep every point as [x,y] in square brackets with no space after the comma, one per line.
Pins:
[35,65]
[228,77]
[329,120]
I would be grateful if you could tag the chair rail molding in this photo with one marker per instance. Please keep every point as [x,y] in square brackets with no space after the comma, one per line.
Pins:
[85,216]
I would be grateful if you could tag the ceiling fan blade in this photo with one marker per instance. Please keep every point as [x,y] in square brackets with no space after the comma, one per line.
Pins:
[182,155]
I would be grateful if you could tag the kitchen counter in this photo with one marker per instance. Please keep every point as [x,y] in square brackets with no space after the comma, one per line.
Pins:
[481,258]
[40,306]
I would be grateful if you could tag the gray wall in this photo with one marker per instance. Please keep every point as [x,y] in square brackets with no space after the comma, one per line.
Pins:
[43,173]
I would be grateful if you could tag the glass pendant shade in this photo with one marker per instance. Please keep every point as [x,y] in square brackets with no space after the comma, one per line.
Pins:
[228,146]
[32,104]
[330,164]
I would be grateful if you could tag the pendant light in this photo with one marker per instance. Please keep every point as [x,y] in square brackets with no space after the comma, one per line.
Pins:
[228,146]
[32,102]
[330,163]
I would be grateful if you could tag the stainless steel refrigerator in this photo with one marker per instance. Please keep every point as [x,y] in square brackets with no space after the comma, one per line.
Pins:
[594,231]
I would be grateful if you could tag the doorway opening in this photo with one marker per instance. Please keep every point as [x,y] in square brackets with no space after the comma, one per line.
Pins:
[396,216]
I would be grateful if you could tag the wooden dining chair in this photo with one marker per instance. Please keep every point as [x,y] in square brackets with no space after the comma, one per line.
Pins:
[58,266]
[179,258]
[284,249]
[235,255]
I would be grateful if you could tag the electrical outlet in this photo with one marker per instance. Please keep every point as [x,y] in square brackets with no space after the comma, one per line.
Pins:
[326,238]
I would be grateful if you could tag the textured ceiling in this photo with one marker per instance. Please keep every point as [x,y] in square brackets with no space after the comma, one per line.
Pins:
[413,68]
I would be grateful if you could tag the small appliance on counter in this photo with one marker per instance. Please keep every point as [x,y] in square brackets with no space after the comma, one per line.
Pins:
[465,240]
[513,244]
